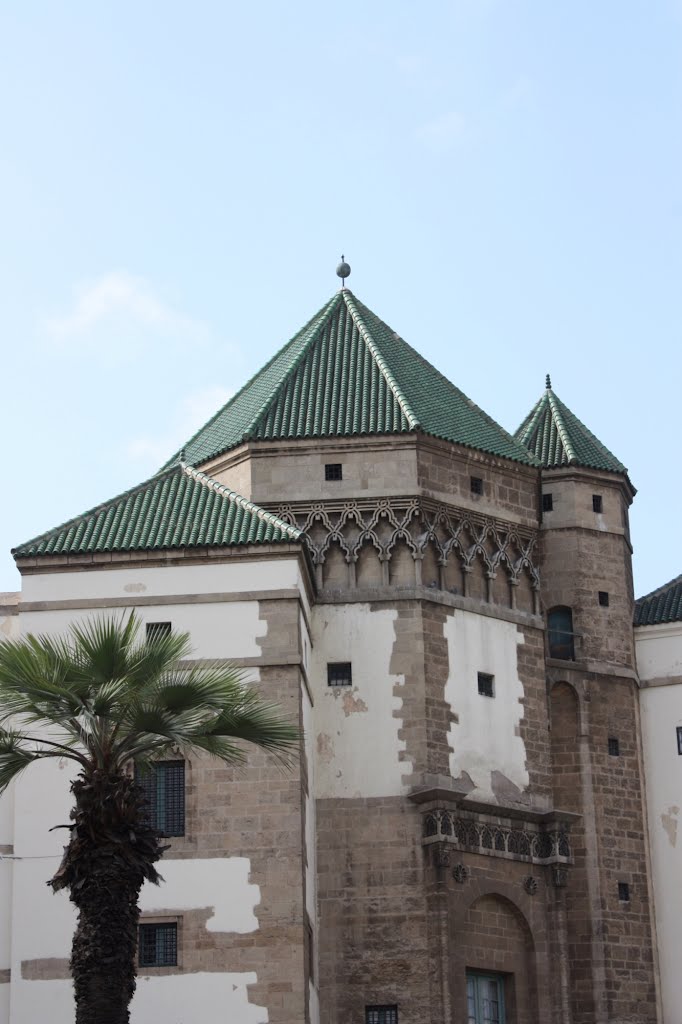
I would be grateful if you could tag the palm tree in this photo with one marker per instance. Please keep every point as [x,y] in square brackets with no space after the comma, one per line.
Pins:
[108,700]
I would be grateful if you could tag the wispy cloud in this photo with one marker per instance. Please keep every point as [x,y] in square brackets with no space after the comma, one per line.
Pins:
[191,413]
[118,301]
[443,132]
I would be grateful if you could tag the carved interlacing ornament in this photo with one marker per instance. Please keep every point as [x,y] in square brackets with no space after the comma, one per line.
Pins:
[538,846]
[425,528]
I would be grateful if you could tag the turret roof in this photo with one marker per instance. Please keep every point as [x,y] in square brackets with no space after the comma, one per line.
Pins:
[178,508]
[345,374]
[661,605]
[557,437]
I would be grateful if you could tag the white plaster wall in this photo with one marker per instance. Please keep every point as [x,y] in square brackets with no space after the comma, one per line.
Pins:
[218,882]
[6,867]
[223,630]
[126,582]
[659,651]
[175,999]
[356,728]
[486,736]
[4,1003]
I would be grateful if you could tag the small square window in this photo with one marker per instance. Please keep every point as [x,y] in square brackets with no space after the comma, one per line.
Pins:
[333,471]
[381,1014]
[679,739]
[596,503]
[603,599]
[486,684]
[547,503]
[476,485]
[156,630]
[624,892]
[339,673]
[614,747]
[158,945]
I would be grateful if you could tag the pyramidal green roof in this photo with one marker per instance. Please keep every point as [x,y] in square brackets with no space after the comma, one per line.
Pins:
[556,437]
[662,605]
[345,374]
[178,508]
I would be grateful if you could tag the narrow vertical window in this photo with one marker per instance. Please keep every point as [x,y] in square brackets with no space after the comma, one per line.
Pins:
[163,786]
[614,747]
[624,892]
[485,998]
[560,634]
[547,503]
[603,599]
[596,503]
[486,684]
[476,485]
[679,739]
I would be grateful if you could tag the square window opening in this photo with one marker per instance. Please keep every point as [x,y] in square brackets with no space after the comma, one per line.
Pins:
[158,945]
[597,503]
[163,786]
[614,747]
[156,630]
[339,673]
[547,503]
[603,599]
[476,485]
[386,1014]
[486,684]
[333,471]
[624,892]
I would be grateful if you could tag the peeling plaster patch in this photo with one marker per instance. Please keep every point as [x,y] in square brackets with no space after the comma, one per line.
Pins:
[485,738]
[351,704]
[669,823]
[325,747]
[221,883]
[135,588]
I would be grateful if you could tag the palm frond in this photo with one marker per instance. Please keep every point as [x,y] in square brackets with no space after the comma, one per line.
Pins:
[18,751]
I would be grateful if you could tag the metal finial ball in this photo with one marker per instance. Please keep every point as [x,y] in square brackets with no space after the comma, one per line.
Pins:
[548,382]
[343,269]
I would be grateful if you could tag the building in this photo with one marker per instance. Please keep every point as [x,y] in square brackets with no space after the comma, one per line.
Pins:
[447,609]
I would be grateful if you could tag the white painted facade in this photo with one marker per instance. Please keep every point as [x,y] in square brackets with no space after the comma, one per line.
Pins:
[659,659]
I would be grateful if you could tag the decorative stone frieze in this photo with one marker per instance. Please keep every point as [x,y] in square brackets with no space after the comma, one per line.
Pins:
[541,845]
[448,546]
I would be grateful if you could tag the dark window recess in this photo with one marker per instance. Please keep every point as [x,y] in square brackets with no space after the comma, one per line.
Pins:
[339,673]
[597,503]
[333,471]
[603,599]
[614,747]
[158,945]
[560,634]
[163,786]
[547,503]
[476,485]
[486,684]
[155,630]
[679,739]
[310,950]
[624,892]
[381,1014]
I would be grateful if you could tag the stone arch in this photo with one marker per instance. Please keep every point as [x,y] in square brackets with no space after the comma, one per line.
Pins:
[401,565]
[491,933]
[334,567]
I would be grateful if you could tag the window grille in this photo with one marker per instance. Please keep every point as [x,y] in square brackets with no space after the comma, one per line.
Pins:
[163,786]
[486,684]
[333,471]
[614,746]
[476,485]
[596,503]
[155,630]
[624,892]
[560,634]
[381,1014]
[547,502]
[339,673]
[158,945]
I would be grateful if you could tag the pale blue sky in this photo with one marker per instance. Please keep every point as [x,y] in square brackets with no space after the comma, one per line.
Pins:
[177,182]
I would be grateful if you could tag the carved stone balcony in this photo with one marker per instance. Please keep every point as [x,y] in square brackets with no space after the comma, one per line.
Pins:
[536,844]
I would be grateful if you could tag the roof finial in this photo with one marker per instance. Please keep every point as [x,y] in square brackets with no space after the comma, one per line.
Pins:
[343,270]
[182,457]
[548,382]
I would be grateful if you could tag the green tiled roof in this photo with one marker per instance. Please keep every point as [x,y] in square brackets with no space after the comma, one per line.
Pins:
[179,508]
[662,605]
[557,437]
[347,374]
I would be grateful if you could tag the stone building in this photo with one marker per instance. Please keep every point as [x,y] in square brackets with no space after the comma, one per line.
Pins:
[447,610]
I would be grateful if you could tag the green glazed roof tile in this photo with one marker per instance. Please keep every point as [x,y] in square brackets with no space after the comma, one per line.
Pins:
[179,508]
[345,374]
[556,437]
[662,605]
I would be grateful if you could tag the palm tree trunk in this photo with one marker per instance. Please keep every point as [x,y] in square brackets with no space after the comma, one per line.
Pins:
[110,854]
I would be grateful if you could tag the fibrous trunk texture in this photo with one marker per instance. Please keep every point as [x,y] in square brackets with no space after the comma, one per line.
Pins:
[112,851]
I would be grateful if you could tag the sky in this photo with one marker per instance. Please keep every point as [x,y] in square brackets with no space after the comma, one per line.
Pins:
[178,182]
